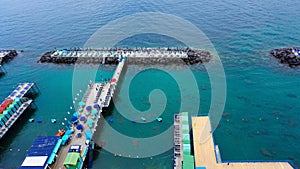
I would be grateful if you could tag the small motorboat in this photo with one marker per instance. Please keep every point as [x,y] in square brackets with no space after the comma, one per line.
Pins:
[159,119]
[53,120]
[143,119]
[60,132]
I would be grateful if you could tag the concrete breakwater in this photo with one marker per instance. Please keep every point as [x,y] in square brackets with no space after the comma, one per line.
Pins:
[135,56]
[289,56]
[7,55]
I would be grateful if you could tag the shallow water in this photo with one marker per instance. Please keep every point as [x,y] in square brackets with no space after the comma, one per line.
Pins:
[262,96]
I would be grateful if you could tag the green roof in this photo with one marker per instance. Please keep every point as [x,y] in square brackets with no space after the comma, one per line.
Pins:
[72,158]
[188,162]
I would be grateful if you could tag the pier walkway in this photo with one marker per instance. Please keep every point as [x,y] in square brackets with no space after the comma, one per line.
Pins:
[146,53]
[205,156]
[14,106]
[98,95]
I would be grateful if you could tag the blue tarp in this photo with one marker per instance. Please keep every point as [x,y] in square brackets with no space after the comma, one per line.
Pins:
[43,146]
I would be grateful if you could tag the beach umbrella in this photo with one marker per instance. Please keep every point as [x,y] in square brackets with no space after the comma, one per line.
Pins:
[90,121]
[96,106]
[94,111]
[82,118]
[74,118]
[75,114]
[89,108]
[113,80]
[79,127]
[81,103]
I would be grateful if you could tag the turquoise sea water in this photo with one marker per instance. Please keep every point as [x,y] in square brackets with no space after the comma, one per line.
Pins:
[259,90]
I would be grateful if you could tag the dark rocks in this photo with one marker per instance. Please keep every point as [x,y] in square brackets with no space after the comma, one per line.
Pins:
[197,56]
[266,153]
[288,56]
[291,95]
[7,55]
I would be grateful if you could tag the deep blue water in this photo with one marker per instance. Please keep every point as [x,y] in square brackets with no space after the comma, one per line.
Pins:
[259,90]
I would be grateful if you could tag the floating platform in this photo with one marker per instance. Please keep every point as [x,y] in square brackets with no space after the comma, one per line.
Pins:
[207,155]
[42,153]
[7,55]
[288,56]
[135,56]
[14,106]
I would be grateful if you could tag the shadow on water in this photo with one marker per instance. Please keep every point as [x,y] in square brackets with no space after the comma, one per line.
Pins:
[8,138]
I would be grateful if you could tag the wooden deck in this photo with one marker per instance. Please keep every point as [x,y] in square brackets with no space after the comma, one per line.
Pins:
[204,151]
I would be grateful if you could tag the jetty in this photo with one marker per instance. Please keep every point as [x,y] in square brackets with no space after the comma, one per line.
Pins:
[287,56]
[134,56]
[207,154]
[14,106]
[7,55]
[77,143]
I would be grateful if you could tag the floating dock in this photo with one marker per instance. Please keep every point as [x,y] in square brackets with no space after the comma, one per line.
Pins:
[7,55]
[135,56]
[14,106]
[207,155]
[85,121]
[42,152]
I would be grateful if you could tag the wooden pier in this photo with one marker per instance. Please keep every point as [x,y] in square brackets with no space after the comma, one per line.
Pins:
[205,156]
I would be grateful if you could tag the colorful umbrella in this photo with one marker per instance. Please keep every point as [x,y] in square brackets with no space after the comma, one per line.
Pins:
[75,114]
[89,108]
[81,104]
[82,118]
[94,111]
[90,121]
[79,127]
[74,118]
[113,80]
[96,106]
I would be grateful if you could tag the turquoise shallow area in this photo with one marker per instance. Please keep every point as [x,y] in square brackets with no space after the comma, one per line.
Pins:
[262,107]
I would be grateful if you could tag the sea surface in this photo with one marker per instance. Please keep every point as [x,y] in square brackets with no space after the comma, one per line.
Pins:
[262,106]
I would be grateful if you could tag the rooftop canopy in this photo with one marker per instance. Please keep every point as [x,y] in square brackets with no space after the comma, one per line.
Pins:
[72,159]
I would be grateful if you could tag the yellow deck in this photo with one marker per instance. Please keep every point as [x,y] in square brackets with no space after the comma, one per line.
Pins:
[205,154]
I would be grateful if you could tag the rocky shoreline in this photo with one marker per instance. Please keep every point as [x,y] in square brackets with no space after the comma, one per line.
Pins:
[193,57]
[287,56]
[7,55]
